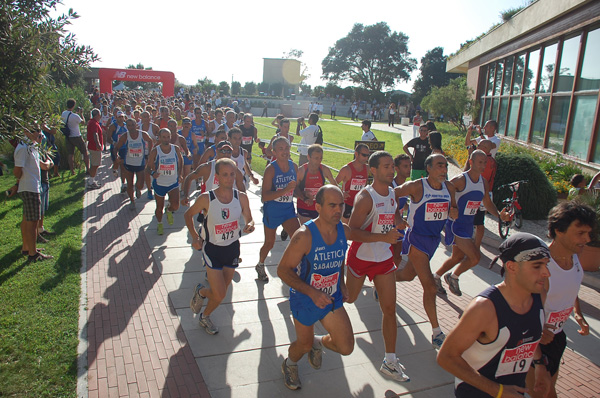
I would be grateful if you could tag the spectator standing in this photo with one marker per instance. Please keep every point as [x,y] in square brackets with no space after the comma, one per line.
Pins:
[309,136]
[95,139]
[391,114]
[27,172]
[421,150]
[74,140]
[488,131]
[417,120]
[367,134]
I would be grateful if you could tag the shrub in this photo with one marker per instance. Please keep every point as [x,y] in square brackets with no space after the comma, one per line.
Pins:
[537,197]
[454,146]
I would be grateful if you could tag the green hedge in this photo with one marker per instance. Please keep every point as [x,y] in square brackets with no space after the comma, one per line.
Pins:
[536,197]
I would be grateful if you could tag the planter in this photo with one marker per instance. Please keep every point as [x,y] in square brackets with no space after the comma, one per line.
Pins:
[590,258]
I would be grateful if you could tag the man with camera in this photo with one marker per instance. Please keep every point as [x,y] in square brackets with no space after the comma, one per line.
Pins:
[74,140]
[487,132]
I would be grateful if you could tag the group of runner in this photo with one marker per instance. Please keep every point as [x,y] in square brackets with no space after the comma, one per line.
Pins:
[384,220]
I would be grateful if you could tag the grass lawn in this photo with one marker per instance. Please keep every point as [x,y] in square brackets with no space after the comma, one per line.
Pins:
[333,132]
[39,311]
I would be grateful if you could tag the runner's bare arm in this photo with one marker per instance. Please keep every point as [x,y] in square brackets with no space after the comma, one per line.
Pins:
[147,138]
[179,164]
[183,146]
[453,212]
[210,152]
[239,180]
[246,213]
[292,256]
[297,191]
[328,175]
[201,204]
[151,166]
[585,328]
[478,322]
[122,140]
[202,171]
[490,206]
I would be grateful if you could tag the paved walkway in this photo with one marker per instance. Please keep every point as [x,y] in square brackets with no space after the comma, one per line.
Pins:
[143,340]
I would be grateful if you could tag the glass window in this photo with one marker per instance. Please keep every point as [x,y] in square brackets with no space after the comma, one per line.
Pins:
[568,64]
[498,83]
[518,78]
[548,69]
[525,118]
[589,79]
[511,127]
[494,110]
[532,72]
[491,74]
[558,122]
[539,120]
[502,116]
[485,111]
[508,70]
[580,134]
[597,151]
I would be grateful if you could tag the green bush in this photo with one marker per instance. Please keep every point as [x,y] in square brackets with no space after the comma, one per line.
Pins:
[536,197]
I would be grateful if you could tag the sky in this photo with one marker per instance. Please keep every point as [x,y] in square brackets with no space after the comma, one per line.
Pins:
[227,41]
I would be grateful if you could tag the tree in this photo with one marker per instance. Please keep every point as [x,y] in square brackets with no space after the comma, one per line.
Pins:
[453,101]
[38,55]
[224,87]
[371,56]
[433,74]
[263,88]
[236,87]
[250,88]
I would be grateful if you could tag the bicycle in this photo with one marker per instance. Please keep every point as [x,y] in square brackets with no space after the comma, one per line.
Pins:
[513,207]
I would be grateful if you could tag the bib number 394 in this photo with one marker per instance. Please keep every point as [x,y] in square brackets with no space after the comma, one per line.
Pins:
[436,211]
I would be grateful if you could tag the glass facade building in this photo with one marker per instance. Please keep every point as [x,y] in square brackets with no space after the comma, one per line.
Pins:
[542,84]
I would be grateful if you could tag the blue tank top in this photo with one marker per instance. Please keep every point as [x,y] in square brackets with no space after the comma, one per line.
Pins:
[469,199]
[428,216]
[280,180]
[119,131]
[506,360]
[321,267]
[199,129]
[188,139]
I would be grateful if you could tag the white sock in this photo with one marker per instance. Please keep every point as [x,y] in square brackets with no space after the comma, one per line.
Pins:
[453,275]
[159,222]
[390,357]
[436,331]
[318,341]
[289,362]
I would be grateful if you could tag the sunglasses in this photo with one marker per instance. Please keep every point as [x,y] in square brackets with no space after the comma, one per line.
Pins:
[225,151]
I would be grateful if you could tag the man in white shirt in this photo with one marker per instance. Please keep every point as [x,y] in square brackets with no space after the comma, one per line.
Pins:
[487,132]
[367,133]
[74,140]
[309,136]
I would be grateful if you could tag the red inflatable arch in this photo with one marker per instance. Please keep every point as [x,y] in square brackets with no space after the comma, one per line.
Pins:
[107,76]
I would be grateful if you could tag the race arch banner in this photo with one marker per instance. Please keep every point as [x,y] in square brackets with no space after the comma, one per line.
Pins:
[107,75]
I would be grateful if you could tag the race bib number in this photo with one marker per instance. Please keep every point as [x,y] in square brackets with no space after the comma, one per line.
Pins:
[558,318]
[226,231]
[472,207]
[135,152]
[385,223]
[166,169]
[516,360]
[311,191]
[247,140]
[356,184]
[436,211]
[287,198]
[327,284]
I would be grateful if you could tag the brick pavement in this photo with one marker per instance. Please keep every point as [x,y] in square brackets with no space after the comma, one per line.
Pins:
[136,346]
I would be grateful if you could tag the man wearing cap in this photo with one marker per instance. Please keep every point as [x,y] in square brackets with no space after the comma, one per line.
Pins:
[497,338]
[569,226]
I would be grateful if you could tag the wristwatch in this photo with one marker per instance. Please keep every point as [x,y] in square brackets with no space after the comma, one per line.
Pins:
[542,361]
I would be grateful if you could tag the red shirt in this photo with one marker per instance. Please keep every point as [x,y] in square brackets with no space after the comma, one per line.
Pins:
[311,184]
[357,181]
[94,128]
[490,171]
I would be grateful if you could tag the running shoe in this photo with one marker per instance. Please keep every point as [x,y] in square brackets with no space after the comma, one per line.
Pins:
[160,229]
[452,284]
[284,235]
[47,233]
[39,257]
[197,300]
[438,340]
[290,375]
[439,287]
[262,274]
[207,324]
[315,357]
[395,370]
[170,217]
[149,195]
